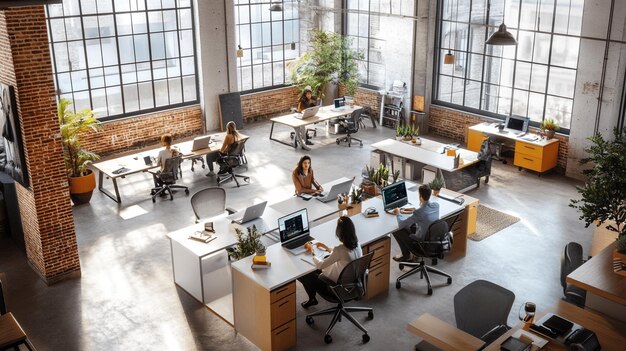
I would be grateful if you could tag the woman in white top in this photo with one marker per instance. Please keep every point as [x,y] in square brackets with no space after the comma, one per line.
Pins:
[168,152]
[332,266]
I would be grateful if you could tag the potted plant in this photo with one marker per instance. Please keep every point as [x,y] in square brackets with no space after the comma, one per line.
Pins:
[436,185]
[73,125]
[400,131]
[330,59]
[354,201]
[549,126]
[603,199]
[247,244]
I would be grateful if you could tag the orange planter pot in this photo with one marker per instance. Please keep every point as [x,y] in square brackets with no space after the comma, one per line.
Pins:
[81,188]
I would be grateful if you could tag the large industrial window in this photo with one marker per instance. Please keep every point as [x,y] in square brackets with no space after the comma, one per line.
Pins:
[536,78]
[364,30]
[269,41]
[121,57]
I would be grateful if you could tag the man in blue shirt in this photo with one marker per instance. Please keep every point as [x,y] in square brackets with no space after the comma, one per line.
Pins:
[414,227]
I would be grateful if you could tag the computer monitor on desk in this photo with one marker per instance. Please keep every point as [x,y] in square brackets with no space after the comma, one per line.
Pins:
[517,125]
[394,195]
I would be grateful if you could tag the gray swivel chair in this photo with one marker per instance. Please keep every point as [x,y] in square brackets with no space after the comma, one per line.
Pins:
[351,285]
[166,179]
[438,241]
[12,335]
[209,202]
[571,259]
[352,127]
[482,309]
[231,161]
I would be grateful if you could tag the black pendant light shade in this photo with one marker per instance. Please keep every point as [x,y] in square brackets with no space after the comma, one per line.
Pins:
[276,7]
[501,37]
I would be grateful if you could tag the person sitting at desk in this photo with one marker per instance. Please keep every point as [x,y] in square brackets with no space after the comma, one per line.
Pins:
[232,135]
[307,99]
[303,178]
[421,218]
[331,267]
[168,152]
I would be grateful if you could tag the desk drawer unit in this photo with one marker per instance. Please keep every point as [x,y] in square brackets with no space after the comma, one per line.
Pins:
[283,316]
[284,337]
[378,278]
[474,140]
[536,157]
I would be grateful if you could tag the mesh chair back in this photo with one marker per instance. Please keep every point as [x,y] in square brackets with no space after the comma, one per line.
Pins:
[170,170]
[437,240]
[235,152]
[353,126]
[480,306]
[571,259]
[352,281]
[208,202]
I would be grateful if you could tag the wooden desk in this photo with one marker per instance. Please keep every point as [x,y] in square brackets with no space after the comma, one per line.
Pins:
[611,333]
[443,335]
[11,333]
[323,114]
[135,163]
[538,155]
[606,291]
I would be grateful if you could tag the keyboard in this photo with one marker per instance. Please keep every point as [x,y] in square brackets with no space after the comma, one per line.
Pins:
[299,242]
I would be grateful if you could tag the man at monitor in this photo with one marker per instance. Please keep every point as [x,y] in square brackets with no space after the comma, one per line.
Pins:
[307,99]
[414,227]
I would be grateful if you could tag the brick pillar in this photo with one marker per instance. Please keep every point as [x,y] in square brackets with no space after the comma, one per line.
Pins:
[45,206]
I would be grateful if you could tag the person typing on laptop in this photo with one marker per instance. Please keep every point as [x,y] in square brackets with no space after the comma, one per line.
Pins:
[331,267]
[303,178]
[307,99]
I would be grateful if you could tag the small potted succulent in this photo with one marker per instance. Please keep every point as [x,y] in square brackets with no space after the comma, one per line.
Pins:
[354,202]
[436,185]
[549,126]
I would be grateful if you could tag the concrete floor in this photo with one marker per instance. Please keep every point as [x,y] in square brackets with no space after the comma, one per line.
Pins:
[126,298]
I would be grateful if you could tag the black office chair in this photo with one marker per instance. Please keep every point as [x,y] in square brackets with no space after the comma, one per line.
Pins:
[351,285]
[497,147]
[482,309]
[438,241]
[483,167]
[571,259]
[352,127]
[166,179]
[229,162]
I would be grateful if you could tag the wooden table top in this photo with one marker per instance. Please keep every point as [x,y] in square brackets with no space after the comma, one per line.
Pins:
[323,114]
[610,332]
[597,277]
[443,335]
[10,330]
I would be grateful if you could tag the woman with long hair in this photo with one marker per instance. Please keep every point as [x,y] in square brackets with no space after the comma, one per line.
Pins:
[303,178]
[232,135]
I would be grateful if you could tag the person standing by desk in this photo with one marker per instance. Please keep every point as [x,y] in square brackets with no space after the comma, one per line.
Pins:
[421,218]
[232,135]
[331,267]
[306,100]
[303,178]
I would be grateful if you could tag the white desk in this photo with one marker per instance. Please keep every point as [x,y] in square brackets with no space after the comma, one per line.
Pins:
[323,114]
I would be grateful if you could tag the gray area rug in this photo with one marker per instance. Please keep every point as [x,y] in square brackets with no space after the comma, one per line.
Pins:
[490,221]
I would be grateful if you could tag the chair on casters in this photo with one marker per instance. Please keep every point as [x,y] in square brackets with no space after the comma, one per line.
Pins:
[438,240]
[351,285]
[483,168]
[197,159]
[11,333]
[497,146]
[482,309]
[571,259]
[229,162]
[352,127]
[166,179]
[209,202]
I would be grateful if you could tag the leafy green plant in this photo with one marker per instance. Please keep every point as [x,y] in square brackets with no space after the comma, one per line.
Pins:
[436,184]
[549,124]
[73,125]
[330,59]
[247,244]
[621,244]
[604,192]
[395,176]
[356,195]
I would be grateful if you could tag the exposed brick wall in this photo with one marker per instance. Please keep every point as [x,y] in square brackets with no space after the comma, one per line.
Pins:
[365,97]
[45,207]
[269,103]
[453,124]
[139,131]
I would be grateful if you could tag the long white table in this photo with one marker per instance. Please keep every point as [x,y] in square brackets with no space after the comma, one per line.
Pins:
[323,114]
[429,152]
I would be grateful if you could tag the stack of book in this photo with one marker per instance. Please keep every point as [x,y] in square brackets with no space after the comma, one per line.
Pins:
[260,262]
[202,236]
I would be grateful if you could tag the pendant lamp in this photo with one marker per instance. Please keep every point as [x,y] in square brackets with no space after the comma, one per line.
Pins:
[276,7]
[448,58]
[501,37]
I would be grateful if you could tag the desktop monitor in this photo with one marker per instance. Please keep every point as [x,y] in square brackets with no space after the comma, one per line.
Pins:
[517,124]
[394,195]
[293,225]
[340,102]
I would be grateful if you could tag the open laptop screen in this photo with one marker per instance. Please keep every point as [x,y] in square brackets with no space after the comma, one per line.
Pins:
[394,195]
[293,225]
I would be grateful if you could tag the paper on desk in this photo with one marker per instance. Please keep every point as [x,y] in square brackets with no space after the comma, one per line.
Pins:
[538,342]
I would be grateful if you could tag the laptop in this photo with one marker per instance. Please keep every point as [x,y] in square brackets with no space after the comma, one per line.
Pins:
[339,104]
[200,143]
[339,188]
[294,231]
[251,213]
[308,113]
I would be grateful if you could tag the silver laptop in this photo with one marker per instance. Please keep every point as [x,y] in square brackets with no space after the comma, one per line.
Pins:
[308,113]
[251,213]
[294,231]
[200,143]
[335,190]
